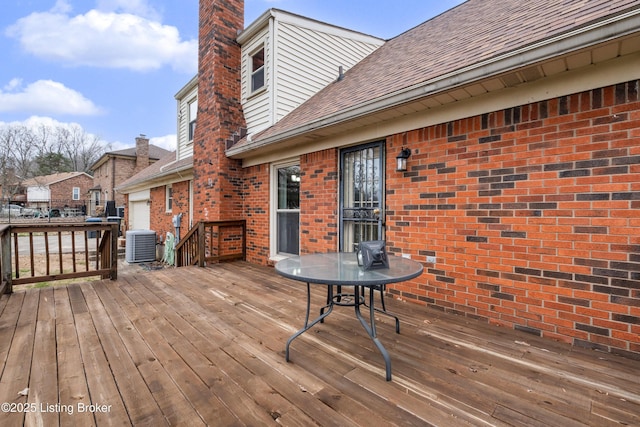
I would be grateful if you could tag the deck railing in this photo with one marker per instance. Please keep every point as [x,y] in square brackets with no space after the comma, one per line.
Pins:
[212,241]
[35,253]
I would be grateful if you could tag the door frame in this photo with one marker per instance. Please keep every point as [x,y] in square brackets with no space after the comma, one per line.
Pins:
[382,193]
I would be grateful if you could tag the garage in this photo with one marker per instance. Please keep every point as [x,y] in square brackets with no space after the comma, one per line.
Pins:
[139,212]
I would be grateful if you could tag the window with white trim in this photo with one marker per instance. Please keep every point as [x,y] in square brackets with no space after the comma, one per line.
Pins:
[286,209]
[169,198]
[257,70]
[193,115]
[76,193]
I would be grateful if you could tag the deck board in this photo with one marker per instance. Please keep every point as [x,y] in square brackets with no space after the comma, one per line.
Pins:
[195,346]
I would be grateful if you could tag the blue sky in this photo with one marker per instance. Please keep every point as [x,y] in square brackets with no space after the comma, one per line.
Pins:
[114,66]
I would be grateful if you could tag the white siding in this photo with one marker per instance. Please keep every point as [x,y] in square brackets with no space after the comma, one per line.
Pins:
[308,60]
[184,146]
[257,106]
[302,56]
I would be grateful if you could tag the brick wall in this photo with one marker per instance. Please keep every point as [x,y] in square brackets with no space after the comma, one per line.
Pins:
[256,203]
[532,214]
[218,183]
[160,219]
[319,202]
[61,193]
[114,171]
[142,153]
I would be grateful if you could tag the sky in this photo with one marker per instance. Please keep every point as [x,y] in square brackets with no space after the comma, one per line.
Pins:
[113,67]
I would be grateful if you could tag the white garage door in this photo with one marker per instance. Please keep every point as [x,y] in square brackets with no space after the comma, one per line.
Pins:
[139,215]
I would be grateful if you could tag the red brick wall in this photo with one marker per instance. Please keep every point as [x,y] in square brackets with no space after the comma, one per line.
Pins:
[319,202]
[61,193]
[532,214]
[218,181]
[114,171]
[161,220]
[256,204]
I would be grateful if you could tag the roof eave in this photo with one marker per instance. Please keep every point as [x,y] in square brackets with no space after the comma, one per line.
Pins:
[181,172]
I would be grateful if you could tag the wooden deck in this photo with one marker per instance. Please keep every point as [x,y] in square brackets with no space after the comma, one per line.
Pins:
[205,346]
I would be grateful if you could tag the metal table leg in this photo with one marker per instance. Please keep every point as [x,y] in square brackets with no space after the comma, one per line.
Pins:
[384,308]
[371,330]
[308,325]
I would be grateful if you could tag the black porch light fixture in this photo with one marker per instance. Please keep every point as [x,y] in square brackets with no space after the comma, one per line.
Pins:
[401,160]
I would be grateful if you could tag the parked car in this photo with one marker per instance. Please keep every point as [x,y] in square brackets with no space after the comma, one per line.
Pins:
[27,213]
[51,213]
[11,211]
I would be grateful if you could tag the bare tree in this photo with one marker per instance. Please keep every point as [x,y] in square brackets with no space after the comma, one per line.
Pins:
[23,151]
[45,148]
[8,179]
[79,147]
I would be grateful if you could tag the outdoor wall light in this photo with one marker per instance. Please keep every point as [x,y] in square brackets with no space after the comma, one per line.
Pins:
[401,160]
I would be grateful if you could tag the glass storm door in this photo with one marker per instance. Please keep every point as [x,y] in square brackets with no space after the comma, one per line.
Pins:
[362,190]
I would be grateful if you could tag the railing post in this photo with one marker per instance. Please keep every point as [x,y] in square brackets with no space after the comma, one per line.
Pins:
[201,248]
[5,261]
[114,252]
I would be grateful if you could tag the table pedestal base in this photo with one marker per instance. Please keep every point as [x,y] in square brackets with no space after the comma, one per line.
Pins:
[358,300]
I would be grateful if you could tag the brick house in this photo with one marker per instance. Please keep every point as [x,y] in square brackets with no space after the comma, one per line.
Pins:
[521,194]
[114,167]
[67,191]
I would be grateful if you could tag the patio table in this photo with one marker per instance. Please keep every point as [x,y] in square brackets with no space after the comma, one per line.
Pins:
[341,269]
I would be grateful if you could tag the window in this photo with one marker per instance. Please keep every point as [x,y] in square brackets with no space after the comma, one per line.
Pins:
[286,199]
[193,114]
[76,193]
[169,194]
[257,70]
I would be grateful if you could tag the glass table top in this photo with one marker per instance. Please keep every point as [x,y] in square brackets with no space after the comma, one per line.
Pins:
[341,268]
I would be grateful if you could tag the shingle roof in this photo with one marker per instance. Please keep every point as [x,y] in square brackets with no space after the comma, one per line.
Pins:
[45,180]
[468,34]
[155,152]
[167,165]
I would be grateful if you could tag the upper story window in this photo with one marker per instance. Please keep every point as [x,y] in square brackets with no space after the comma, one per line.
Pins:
[257,70]
[193,114]
[76,193]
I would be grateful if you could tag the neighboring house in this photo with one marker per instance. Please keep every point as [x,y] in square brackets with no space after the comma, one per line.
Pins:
[287,58]
[521,121]
[67,191]
[115,167]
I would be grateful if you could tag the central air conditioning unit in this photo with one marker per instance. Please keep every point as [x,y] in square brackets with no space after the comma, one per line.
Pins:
[140,246]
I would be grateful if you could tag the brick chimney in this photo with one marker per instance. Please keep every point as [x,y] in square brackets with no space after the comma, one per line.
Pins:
[142,152]
[218,179]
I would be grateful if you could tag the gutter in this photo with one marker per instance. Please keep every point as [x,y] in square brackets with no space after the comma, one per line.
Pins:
[584,37]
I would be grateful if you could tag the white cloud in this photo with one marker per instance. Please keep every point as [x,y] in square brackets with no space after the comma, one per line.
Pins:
[45,97]
[168,142]
[105,38]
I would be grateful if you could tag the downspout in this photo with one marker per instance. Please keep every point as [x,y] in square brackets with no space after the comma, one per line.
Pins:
[113,179]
